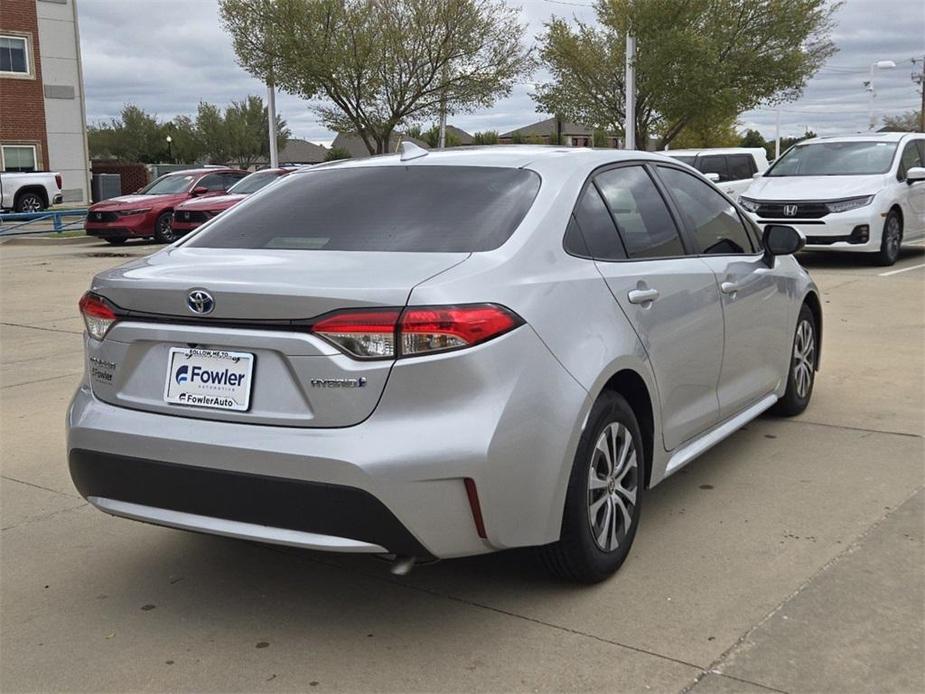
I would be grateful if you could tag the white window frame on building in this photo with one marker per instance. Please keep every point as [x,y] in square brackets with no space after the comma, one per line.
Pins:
[3,157]
[27,54]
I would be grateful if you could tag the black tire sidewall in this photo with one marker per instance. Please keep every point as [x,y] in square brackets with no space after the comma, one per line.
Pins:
[158,235]
[792,404]
[26,196]
[884,257]
[596,565]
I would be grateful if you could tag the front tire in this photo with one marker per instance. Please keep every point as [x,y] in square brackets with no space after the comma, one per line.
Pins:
[891,239]
[801,377]
[604,496]
[163,233]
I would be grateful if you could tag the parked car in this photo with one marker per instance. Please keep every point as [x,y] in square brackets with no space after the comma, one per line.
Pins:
[190,214]
[861,193]
[147,213]
[31,191]
[731,168]
[338,363]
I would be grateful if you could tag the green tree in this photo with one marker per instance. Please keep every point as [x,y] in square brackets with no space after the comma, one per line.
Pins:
[246,126]
[134,136]
[710,133]
[336,153]
[213,134]
[379,65]
[186,146]
[486,137]
[696,60]
[753,138]
[908,122]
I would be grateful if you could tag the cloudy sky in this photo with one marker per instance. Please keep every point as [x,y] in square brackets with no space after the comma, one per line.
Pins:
[166,56]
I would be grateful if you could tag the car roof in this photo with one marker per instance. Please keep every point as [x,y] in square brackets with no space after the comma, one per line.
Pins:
[861,137]
[510,156]
[715,150]
[211,169]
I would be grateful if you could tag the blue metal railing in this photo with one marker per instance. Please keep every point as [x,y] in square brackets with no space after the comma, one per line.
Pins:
[14,223]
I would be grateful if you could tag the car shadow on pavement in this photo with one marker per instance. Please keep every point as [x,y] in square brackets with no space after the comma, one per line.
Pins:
[839,259]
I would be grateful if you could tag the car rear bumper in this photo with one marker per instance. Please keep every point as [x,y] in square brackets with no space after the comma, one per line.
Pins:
[298,513]
[401,473]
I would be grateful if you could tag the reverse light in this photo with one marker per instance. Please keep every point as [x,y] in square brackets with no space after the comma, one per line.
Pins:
[848,204]
[97,314]
[391,333]
[749,204]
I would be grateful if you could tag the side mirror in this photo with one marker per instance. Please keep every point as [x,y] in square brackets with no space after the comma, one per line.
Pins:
[199,190]
[915,174]
[714,177]
[779,239]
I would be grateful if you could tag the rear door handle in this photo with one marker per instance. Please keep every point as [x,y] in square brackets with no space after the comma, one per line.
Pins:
[729,287]
[642,296]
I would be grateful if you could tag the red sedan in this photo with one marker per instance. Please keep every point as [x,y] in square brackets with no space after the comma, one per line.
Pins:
[190,214]
[148,212]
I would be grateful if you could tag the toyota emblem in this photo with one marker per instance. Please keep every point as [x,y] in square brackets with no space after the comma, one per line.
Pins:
[200,301]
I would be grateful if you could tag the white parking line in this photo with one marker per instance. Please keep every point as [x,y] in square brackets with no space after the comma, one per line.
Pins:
[905,269]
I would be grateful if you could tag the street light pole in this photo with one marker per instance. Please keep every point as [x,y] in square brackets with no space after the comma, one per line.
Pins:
[629,99]
[876,65]
[271,118]
[170,148]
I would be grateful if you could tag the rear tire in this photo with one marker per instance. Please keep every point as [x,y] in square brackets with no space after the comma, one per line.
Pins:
[116,240]
[801,376]
[163,233]
[29,202]
[604,496]
[891,239]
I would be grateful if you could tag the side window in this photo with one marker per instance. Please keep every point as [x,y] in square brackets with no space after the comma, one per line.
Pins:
[714,164]
[229,179]
[741,166]
[714,221]
[212,182]
[911,157]
[645,224]
[592,232]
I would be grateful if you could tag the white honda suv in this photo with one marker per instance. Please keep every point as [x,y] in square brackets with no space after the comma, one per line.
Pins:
[861,193]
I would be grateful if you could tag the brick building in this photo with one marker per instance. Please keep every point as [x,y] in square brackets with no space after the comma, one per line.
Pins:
[42,112]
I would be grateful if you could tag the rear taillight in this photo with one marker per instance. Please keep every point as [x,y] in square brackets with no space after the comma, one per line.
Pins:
[58,181]
[98,316]
[391,333]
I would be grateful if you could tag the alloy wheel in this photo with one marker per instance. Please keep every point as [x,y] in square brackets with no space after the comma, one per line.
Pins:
[893,236]
[165,231]
[30,203]
[804,358]
[613,480]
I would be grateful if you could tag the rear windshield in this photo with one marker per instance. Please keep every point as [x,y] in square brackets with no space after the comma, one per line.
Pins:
[388,208]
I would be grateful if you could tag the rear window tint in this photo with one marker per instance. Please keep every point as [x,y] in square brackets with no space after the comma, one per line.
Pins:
[386,208]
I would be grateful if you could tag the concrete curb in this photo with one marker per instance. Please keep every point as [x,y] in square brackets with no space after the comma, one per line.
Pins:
[25,240]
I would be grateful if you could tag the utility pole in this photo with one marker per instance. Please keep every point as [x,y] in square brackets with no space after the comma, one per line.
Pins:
[271,118]
[629,98]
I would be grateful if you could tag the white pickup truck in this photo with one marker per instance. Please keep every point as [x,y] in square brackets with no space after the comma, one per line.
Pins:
[29,192]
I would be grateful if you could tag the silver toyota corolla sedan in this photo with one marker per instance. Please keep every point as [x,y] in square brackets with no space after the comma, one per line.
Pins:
[432,355]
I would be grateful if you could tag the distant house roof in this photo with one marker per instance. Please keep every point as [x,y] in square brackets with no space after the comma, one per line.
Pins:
[548,127]
[461,135]
[302,152]
[353,144]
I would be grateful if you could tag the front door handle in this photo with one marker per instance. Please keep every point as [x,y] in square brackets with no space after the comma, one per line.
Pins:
[729,287]
[642,296]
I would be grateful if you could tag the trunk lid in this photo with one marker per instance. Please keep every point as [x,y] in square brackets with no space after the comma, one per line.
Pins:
[263,300]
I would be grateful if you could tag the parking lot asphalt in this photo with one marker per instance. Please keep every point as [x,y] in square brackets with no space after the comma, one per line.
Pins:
[788,558]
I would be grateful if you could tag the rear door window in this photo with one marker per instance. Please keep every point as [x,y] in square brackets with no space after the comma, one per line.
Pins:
[714,221]
[592,231]
[381,208]
[714,164]
[741,166]
[641,215]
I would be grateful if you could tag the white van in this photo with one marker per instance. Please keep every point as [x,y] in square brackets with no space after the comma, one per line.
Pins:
[730,168]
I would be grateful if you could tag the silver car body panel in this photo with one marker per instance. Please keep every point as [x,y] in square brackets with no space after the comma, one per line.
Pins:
[507,414]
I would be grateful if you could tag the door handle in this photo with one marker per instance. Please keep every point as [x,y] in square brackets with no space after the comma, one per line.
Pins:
[729,287]
[642,296]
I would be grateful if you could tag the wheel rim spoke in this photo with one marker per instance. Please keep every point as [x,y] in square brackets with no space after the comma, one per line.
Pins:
[612,486]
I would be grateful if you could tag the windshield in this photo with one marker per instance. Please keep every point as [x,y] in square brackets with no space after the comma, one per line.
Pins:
[436,209]
[835,159]
[254,182]
[171,183]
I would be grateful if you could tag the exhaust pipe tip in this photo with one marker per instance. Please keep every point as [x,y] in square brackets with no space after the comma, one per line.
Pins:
[402,566]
